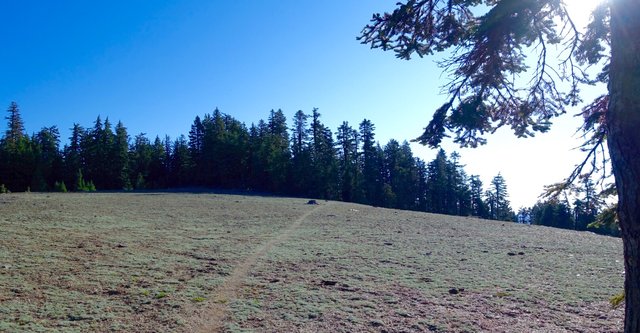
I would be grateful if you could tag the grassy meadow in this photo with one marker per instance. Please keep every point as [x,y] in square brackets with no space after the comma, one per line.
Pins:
[183,262]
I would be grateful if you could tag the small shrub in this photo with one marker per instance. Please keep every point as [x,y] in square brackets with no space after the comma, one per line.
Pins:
[60,187]
[91,187]
[198,299]
[616,300]
[3,189]
[127,185]
[140,182]
[83,186]
[161,294]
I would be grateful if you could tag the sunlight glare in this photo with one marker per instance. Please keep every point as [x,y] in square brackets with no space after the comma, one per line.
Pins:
[580,10]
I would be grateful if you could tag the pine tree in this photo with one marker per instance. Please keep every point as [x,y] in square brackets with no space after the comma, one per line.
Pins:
[157,172]
[180,163]
[95,146]
[48,159]
[110,176]
[458,187]
[372,182]
[300,155]
[438,193]
[347,141]
[405,183]
[276,148]
[234,154]
[324,168]
[73,156]
[120,158]
[140,159]
[478,207]
[212,148]
[498,200]
[399,175]
[196,142]
[17,158]
[15,127]
[299,133]
[256,164]
[587,206]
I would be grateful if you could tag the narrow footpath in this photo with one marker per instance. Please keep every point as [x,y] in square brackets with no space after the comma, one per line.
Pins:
[213,318]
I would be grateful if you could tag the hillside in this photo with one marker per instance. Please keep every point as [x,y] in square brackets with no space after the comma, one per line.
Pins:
[161,262]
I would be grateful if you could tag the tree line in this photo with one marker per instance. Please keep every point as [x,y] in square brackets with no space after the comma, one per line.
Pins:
[306,159]
[585,210]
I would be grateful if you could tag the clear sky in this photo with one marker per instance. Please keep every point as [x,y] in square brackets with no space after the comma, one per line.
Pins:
[155,65]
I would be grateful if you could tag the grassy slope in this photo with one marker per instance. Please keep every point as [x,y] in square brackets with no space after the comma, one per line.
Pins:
[151,262]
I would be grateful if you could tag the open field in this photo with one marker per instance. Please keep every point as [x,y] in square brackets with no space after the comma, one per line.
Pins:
[161,262]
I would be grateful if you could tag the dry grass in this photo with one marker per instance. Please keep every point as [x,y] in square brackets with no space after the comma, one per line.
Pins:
[155,262]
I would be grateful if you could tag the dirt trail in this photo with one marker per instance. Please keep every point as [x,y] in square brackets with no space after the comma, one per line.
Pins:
[213,318]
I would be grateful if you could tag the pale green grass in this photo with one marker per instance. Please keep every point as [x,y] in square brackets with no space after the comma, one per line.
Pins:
[393,271]
[149,262]
[138,262]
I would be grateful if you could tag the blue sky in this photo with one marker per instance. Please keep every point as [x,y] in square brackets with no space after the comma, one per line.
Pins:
[155,65]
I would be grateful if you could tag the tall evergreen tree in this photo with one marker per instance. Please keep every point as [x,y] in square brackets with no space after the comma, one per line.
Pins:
[256,164]
[300,154]
[400,184]
[276,150]
[157,176]
[73,156]
[140,157]
[347,141]
[15,127]
[119,158]
[17,164]
[109,175]
[48,159]
[94,154]
[324,169]
[213,139]
[498,200]
[405,182]
[180,163]
[371,183]
[478,207]
[587,206]
[421,187]
[438,192]
[458,187]
[196,143]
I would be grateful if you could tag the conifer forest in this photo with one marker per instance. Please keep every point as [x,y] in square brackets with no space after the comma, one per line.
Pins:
[304,159]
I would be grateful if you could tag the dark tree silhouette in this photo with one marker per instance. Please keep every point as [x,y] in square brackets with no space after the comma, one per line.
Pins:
[498,200]
[15,125]
[16,153]
[300,154]
[347,141]
[478,206]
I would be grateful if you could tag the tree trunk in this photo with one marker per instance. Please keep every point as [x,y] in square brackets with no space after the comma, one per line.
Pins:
[623,122]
